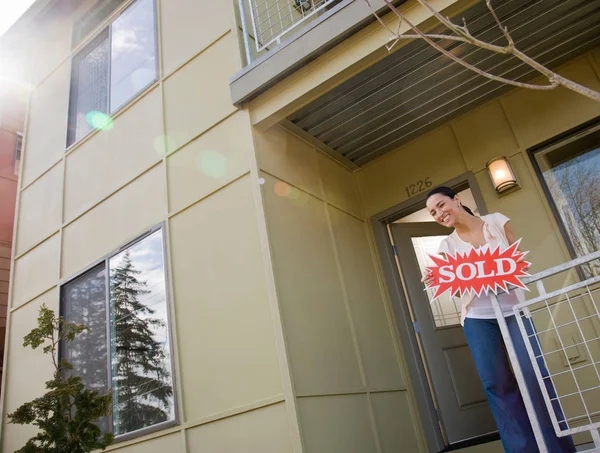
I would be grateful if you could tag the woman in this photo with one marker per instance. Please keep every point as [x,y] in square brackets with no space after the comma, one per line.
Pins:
[483,333]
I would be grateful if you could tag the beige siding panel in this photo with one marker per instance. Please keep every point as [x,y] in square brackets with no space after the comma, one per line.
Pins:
[540,115]
[340,185]
[316,324]
[170,443]
[375,338]
[287,157]
[227,343]
[115,156]
[36,272]
[187,28]
[395,423]
[41,207]
[55,50]
[120,218]
[484,134]
[47,127]
[209,162]
[22,384]
[522,207]
[336,424]
[197,96]
[265,430]
[435,156]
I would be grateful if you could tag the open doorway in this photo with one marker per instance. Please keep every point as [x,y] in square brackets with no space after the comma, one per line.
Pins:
[454,408]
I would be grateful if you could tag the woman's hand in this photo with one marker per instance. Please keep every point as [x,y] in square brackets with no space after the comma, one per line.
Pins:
[427,277]
[526,268]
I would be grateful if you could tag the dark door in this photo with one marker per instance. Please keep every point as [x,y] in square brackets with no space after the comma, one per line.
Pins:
[457,390]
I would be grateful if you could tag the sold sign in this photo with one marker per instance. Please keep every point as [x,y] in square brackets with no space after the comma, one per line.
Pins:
[478,271]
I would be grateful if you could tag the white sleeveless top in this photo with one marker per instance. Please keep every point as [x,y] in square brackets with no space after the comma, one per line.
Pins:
[494,235]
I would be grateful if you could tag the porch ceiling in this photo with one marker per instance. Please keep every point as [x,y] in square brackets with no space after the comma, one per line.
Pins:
[416,89]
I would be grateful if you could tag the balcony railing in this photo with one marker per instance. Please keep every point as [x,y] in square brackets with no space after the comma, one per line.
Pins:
[565,347]
[267,22]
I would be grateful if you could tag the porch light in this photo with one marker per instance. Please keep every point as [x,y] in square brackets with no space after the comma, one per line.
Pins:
[502,175]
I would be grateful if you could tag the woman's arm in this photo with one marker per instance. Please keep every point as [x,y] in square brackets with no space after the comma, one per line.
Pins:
[510,235]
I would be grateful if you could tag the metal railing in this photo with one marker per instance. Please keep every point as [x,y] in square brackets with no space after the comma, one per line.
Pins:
[563,343]
[271,20]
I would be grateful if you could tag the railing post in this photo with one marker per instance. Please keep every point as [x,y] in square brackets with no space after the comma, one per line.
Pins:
[596,438]
[514,359]
[242,8]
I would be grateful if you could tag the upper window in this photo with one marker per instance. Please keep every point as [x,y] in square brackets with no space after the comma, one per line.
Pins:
[570,172]
[114,67]
[123,302]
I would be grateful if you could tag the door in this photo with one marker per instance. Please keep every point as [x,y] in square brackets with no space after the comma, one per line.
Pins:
[457,390]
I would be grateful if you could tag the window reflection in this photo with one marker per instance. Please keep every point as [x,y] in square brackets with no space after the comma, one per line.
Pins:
[91,76]
[84,302]
[140,352]
[133,56]
[571,172]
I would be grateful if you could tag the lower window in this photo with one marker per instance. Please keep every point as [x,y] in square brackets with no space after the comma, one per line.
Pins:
[127,350]
[570,172]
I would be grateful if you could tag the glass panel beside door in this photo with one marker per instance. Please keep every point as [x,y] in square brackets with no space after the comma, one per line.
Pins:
[445,310]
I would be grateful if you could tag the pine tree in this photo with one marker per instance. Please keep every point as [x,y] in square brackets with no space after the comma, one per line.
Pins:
[65,414]
[141,388]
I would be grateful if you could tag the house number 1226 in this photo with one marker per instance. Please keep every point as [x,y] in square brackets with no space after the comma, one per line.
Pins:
[418,186]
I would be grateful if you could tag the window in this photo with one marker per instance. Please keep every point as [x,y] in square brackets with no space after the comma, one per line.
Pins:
[570,172]
[127,349]
[18,147]
[119,63]
[98,14]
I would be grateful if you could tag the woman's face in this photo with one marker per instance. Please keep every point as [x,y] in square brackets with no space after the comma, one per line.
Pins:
[444,209]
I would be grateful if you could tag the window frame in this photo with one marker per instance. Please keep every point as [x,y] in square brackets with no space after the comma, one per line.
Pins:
[105,260]
[79,34]
[88,43]
[569,136]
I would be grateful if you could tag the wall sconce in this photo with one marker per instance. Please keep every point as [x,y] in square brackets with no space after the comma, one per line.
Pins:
[502,175]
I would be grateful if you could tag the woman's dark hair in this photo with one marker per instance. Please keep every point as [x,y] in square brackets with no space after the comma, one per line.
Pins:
[447,191]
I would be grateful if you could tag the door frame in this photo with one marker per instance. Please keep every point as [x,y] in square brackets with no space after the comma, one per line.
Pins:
[396,290]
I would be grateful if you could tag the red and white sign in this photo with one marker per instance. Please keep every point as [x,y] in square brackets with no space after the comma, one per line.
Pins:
[478,271]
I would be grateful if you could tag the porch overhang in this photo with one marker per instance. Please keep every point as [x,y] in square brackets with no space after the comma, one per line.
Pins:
[302,47]
[416,89]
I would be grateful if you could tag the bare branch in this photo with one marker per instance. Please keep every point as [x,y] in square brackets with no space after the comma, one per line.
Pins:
[504,29]
[462,34]
[397,34]
[458,60]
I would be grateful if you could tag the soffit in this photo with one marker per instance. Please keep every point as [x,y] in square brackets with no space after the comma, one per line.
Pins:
[416,88]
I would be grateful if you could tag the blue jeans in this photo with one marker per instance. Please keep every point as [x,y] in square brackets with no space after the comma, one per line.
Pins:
[491,360]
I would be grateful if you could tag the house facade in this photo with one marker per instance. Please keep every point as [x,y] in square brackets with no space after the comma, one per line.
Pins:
[231,196]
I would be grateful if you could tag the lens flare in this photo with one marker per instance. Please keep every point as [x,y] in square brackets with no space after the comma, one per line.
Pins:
[301,198]
[212,163]
[160,144]
[99,120]
[282,189]
[261,181]
[294,194]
